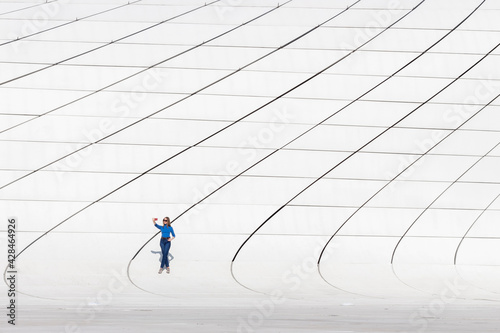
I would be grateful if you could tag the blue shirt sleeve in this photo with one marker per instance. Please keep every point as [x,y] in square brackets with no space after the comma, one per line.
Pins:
[173,233]
[156,225]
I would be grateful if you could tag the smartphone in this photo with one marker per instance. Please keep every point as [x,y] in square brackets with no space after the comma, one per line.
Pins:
[156,219]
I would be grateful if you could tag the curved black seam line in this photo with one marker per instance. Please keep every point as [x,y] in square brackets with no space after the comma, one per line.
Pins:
[450,185]
[322,252]
[231,268]
[460,243]
[228,69]
[60,26]
[343,99]
[418,107]
[437,198]
[343,108]
[380,152]
[173,156]
[239,95]
[121,80]
[338,206]
[156,112]
[128,182]
[291,177]
[225,70]
[103,45]
[237,46]
[472,225]
[268,234]
[24,8]
[267,103]
[358,98]
[248,70]
[111,202]
[416,128]
[429,207]
[189,147]
[228,24]
[363,146]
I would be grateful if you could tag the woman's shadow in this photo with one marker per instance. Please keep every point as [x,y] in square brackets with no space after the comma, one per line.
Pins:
[170,256]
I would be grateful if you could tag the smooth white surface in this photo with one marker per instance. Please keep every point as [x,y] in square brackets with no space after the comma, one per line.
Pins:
[441,115]
[86,31]
[58,77]
[372,63]
[210,57]
[213,107]
[142,13]
[120,54]
[48,52]
[252,151]
[64,11]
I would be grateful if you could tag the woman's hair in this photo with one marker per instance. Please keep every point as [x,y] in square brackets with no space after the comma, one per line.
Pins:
[168,220]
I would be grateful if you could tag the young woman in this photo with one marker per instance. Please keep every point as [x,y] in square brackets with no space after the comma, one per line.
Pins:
[165,240]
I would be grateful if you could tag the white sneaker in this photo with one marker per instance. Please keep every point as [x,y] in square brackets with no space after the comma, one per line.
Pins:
[168,270]
[161,270]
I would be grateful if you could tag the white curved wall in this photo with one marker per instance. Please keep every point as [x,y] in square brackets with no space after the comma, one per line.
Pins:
[323,150]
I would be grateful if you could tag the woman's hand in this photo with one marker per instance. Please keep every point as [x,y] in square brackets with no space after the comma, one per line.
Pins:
[170,238]
[154,220]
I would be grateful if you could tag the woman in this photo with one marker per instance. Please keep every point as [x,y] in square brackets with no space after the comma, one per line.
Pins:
[165,240]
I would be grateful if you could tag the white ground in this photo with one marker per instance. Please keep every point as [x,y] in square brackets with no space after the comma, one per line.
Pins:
[329,166]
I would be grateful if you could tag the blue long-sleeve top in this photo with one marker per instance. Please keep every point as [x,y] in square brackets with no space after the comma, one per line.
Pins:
[165,230]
